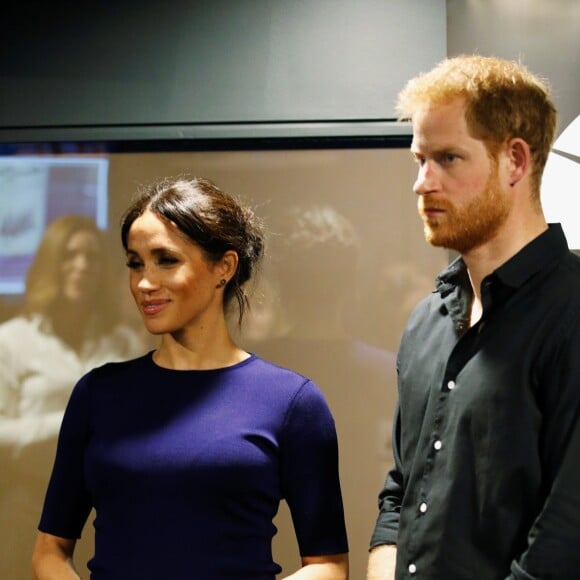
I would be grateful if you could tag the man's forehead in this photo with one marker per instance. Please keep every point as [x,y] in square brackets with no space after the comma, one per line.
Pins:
[440,127]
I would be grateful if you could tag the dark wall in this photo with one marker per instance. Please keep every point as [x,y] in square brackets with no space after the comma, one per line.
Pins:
[543,34]
[212,61]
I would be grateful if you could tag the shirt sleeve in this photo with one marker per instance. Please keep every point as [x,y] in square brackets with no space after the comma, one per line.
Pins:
[391,496]
[67,503]
[26,438]
[554,538]
[309,472]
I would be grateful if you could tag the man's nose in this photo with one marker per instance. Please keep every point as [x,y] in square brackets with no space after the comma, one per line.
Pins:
[427,179]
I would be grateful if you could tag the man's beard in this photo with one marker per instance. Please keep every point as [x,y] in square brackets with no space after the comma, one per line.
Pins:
[465,228]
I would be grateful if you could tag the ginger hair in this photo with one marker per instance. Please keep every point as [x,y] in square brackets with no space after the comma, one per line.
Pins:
[503,100]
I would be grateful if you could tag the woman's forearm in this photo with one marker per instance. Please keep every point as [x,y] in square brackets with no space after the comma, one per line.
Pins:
[333,567]
[52,558]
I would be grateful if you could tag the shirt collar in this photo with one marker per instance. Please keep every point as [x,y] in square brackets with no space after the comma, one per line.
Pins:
[535,256]
[454,275]
[542,251]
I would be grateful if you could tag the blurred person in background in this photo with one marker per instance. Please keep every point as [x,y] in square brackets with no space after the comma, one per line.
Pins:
[315,254]
[68,324]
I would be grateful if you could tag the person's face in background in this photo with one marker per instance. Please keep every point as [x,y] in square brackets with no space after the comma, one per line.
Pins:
[462,201]
[80,267]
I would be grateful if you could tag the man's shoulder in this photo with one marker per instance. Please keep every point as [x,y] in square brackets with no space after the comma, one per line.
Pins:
[571,265]
[425,307]
[562,281]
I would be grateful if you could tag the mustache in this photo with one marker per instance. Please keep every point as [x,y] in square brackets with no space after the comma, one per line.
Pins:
[433,205]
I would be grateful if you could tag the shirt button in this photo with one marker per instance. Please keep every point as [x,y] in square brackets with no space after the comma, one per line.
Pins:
[451,385]
[412,568]
[423,508]
[437,445]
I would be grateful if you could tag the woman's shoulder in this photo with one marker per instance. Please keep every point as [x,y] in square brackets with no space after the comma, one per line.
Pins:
[19,324]
[22,332]
[108,379]
[274,371]
[285,382]
[110,370]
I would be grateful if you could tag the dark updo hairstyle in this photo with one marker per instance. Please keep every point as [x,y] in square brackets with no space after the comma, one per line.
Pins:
[212,219]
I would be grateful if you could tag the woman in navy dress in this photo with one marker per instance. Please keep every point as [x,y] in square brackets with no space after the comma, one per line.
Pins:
[185,453]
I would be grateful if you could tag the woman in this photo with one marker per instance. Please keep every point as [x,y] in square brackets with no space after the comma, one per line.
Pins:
[186,452]
[69,325]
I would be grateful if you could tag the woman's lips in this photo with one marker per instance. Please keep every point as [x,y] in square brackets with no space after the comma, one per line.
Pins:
[151,307]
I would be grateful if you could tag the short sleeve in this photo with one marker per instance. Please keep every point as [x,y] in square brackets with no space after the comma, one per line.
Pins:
[309,471]
[67,503]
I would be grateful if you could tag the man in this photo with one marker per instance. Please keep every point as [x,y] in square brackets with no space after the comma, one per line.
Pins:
[486,482]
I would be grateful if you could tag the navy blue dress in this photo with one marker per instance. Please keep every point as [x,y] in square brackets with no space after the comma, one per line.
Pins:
[186,469]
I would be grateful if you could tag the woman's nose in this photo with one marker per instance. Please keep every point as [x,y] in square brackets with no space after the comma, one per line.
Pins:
[146,284]
[147,281]
[81,261]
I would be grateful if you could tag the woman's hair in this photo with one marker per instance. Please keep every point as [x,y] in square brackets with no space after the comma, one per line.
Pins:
[44,277]
[503,100]
[212,219]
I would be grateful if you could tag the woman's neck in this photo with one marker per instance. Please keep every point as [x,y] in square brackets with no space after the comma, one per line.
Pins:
[198,349]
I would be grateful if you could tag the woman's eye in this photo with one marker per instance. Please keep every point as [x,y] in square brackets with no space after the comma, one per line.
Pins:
[167,261]
[133,264]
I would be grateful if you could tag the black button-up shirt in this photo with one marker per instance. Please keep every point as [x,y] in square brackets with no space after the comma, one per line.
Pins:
[486,483]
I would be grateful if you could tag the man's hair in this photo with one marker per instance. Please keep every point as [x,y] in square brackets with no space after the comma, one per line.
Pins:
[503,100]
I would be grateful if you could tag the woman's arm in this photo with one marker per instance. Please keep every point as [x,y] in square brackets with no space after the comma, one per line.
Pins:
[52,558]
[311,486]
[334,567]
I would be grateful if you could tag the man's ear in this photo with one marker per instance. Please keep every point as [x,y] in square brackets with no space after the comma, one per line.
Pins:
[519,160]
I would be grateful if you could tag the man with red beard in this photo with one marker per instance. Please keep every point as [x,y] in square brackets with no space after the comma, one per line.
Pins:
[487,431]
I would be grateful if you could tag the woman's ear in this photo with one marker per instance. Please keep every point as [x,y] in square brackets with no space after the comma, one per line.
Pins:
[228,265]
[519,159]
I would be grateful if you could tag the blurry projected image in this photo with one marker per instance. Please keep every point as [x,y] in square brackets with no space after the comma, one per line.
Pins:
[346,261]
[34,191]
[60,317]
